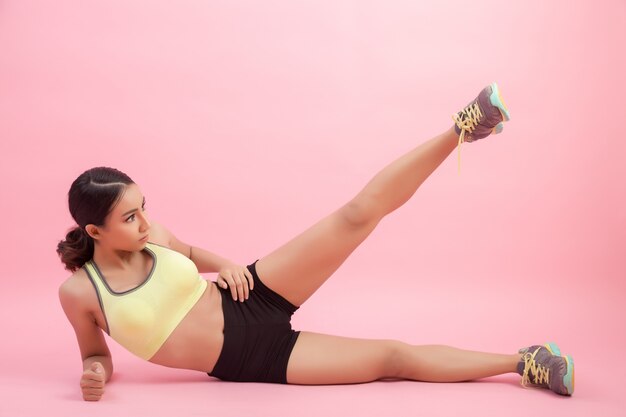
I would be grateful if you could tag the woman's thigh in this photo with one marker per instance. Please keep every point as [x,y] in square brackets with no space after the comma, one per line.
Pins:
[319,359]
[298,268]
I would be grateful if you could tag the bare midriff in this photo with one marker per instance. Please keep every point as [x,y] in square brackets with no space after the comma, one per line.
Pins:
[197,341]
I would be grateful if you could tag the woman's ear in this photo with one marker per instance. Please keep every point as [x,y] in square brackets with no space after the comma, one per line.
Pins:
[93,231]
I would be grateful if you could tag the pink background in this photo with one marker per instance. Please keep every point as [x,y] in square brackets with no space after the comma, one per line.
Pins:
[243,122]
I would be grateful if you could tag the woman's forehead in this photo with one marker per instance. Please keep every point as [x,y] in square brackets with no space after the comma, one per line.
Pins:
[132,198]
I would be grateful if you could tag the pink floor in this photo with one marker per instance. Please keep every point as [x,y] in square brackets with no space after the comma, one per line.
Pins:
[243,122]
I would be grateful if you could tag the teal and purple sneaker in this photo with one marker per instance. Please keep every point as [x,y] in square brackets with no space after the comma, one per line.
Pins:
[483,116]
[543,366]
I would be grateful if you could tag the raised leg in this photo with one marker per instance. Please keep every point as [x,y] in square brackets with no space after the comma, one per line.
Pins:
[298,268]
[324,359]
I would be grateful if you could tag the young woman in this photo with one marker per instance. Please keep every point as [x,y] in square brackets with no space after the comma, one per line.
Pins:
[136,281]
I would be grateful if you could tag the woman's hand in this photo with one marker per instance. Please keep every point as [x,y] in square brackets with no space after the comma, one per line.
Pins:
[92,382]
[238,278]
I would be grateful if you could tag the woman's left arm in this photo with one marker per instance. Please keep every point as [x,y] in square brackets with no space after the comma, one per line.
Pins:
[230,274]
[206,261]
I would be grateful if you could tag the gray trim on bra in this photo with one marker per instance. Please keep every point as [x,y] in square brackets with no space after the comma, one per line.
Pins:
[99,298]
[106,285]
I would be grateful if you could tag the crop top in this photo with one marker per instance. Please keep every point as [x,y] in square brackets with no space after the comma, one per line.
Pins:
[142,318]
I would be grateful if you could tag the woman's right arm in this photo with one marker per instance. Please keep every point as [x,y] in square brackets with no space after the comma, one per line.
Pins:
[97,363]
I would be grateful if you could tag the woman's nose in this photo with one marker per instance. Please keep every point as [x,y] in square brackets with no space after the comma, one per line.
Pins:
[145,222]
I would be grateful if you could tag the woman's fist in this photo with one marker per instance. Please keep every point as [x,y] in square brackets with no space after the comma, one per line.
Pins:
[92,382]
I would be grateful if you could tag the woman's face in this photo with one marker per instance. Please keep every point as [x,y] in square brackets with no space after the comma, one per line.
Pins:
[126,226]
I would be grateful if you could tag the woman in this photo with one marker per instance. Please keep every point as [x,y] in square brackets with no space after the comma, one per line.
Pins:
[135,280]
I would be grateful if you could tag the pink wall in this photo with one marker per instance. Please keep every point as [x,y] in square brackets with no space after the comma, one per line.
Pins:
[244,122]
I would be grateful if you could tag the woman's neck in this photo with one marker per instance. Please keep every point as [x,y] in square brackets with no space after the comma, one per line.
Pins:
[114,259]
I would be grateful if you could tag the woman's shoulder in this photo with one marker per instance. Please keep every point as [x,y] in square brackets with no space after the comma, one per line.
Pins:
[76,285]
[159,234]
[80,301]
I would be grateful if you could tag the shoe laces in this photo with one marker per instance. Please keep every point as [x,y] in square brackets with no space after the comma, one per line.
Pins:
[467,120]
[540,373]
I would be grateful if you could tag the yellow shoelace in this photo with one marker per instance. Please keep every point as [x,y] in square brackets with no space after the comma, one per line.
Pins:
[472,115]
[541,374]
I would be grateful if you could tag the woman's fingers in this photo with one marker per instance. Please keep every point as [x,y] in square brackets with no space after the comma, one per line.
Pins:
[92,385]
[250,279]
[240,283]
[242,286]
[240,292]
[233,286]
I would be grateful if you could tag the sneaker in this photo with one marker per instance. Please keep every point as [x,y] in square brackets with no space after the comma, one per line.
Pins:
[482,117]
[543,366]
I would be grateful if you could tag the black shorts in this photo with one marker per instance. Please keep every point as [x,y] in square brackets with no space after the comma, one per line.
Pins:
[258,338]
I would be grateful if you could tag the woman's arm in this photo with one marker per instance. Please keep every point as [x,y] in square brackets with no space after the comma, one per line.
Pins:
[205,261]
[230,274]
[97,363]
[105,361]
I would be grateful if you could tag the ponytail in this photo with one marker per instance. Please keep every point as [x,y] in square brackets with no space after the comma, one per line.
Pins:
[76,249]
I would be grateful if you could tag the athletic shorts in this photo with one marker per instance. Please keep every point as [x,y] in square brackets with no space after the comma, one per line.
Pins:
[258,338]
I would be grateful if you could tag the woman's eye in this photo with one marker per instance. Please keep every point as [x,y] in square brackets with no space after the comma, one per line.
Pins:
[133,216]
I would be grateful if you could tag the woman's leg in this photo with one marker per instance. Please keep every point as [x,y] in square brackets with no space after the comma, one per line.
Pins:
[298,268]
[325,359]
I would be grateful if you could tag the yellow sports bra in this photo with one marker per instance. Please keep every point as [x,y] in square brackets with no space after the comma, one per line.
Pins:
[141,319]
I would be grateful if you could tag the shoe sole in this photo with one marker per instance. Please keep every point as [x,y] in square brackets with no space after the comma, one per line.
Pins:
[568,378]
[497,101]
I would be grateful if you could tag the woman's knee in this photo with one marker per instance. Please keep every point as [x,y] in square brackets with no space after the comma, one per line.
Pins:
[359,212]
[395,359]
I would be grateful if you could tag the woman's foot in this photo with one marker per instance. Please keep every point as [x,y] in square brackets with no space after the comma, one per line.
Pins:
[543,366]
[482,116]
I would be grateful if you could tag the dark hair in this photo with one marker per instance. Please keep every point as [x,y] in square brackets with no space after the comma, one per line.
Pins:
[91,198]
